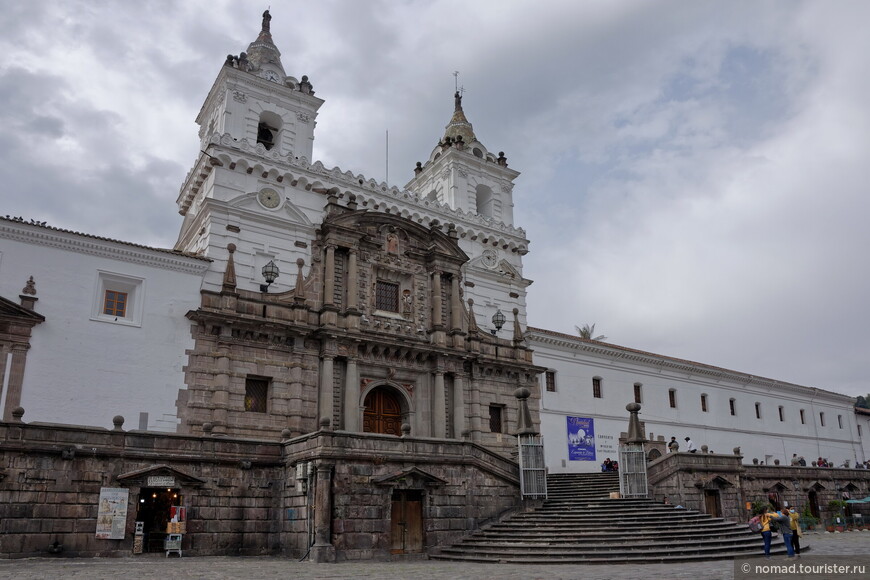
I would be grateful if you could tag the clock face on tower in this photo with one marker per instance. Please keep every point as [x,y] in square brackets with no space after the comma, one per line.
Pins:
[489,259]
[270,75]
[269,198]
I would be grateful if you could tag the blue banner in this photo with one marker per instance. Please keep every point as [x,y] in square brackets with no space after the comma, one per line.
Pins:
[581,439]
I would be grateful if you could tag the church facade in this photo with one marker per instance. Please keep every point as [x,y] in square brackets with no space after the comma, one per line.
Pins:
[324,364]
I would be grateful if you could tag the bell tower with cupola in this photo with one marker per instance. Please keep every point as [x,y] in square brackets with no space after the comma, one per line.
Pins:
[464,176]
[256,122]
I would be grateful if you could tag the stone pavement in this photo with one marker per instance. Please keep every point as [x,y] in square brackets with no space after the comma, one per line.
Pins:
[154,567]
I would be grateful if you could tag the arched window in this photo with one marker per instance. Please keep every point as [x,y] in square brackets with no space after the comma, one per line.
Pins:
[485,200]
[268,129]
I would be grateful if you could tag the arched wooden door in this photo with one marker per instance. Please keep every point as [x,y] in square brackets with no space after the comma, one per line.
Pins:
[383,413]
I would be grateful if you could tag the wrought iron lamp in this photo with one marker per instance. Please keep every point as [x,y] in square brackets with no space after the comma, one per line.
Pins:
[270,272]
[498,321]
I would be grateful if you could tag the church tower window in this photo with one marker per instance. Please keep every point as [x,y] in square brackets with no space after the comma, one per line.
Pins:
[495,418]
[485,201]
[256,394]
[268,129]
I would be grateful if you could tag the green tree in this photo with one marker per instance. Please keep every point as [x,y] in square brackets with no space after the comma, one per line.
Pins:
[863,402]
[587,331]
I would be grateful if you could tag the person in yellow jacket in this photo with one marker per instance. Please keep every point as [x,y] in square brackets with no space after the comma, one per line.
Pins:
[766,534]
[796,532]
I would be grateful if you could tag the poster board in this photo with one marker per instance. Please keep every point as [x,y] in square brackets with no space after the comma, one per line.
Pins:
[112,513]
[581,438]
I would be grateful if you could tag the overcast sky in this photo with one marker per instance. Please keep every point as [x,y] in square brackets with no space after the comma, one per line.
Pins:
[694,174]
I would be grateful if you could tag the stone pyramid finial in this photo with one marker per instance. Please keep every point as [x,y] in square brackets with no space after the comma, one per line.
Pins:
[230,273]
[472,322]
[518,331]
[299,290]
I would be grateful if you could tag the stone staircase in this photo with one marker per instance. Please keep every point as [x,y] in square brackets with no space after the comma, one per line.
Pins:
[580,524]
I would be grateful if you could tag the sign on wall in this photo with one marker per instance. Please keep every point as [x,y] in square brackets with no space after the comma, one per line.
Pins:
[112,513]
[581,439]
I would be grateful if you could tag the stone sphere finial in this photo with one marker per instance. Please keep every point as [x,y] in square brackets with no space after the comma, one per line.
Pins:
[522,393]
[231,248]
[632,407]
[300,262]
[118,422]
[736,451]
[325,422]
[286,433]
[17,413]
[207,428]
[406,429]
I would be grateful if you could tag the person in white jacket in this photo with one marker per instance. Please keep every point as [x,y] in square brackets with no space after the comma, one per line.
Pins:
[690,446]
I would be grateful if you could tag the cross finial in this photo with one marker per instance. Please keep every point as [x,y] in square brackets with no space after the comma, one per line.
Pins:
[456,79]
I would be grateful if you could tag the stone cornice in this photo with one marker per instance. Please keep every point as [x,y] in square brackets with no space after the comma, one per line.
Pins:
[103,247]
[655,361]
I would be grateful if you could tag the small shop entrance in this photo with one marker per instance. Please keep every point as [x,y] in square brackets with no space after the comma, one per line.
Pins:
[407,521]
[155,512]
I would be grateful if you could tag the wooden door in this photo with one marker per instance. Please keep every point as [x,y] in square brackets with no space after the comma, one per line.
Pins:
[711,502]
[406,522]
[814,504]
[383,413]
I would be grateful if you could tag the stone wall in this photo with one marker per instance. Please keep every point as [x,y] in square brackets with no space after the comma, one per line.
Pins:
[51,477]
[462,486]
[685,477]
[246,497]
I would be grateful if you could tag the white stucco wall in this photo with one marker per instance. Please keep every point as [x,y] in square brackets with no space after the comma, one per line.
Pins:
[576,363]
[85,369]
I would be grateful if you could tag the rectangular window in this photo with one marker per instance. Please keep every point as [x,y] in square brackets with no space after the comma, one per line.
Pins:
[781,414]
[386,296]
[803,418]
[495,418]
[596,387]
[256,394]
[672,398]
[822,419]
[733,405]
[637,393]
[840,421]
[859,430]
[115,303]
[758,410]
[703,403]
[551,381]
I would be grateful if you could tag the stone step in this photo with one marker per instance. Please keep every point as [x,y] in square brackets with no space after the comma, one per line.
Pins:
[579,523]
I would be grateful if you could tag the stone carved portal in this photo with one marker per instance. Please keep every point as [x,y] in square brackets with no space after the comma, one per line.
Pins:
[383,412]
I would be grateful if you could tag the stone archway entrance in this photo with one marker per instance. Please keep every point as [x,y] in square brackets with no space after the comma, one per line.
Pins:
[383,412]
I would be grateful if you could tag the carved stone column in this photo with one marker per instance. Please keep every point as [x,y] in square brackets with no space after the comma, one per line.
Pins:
[455,305]
[436,301]
[325,401]
[329,276]
[352,404]
[352,282]
[439,407]
[458,406]
[323,550]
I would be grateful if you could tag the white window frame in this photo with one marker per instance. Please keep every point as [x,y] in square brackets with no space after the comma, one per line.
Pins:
[133,286]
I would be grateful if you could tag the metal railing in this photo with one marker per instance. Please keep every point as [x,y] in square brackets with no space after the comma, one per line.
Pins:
[632,471]
[533,470]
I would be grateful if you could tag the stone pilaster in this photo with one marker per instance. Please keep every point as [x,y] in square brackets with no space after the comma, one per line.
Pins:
[323,550]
